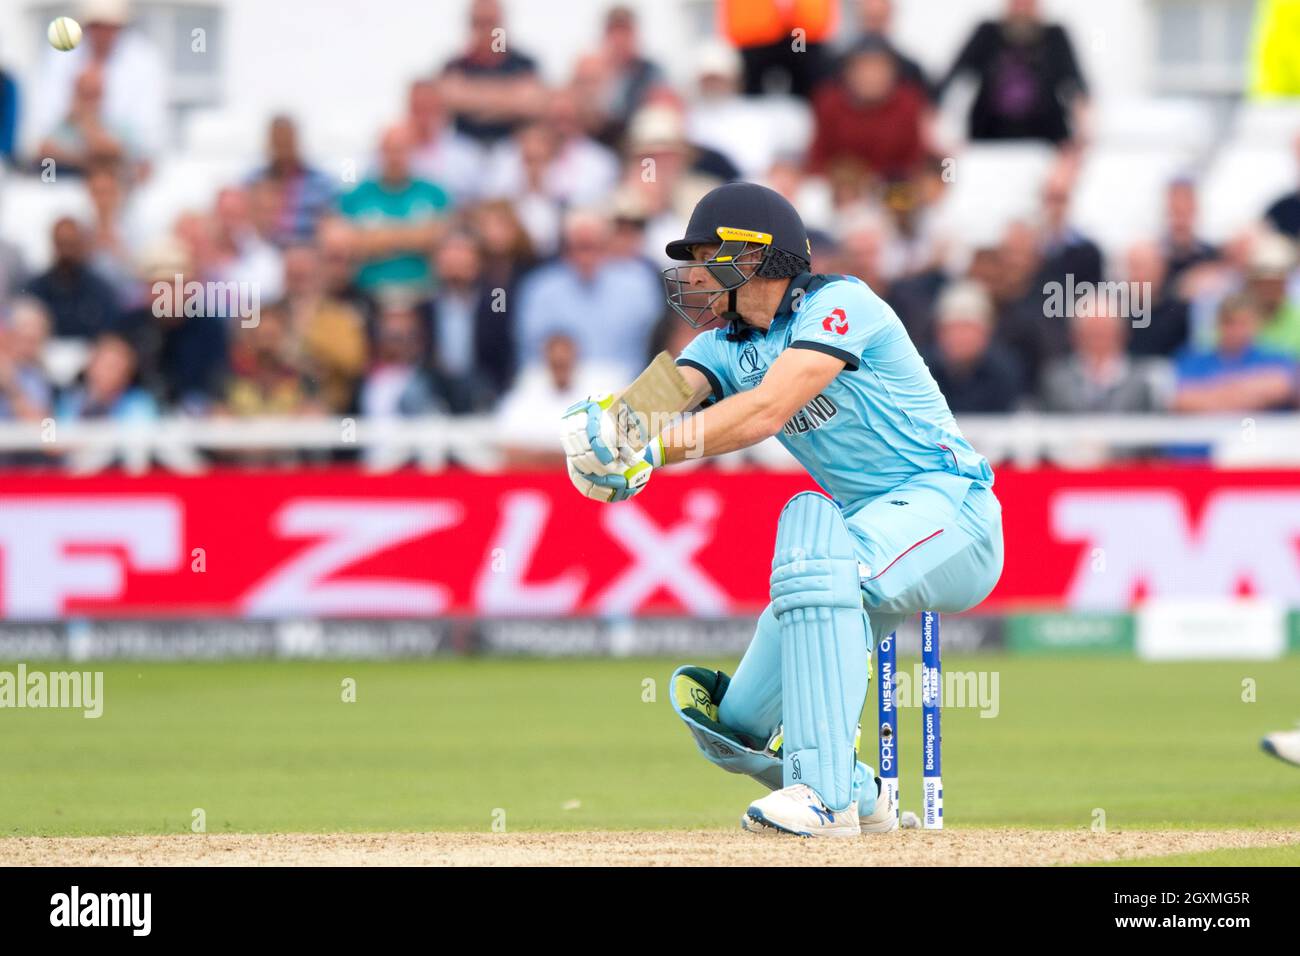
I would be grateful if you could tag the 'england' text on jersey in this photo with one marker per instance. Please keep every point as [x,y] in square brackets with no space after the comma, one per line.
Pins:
[813,415]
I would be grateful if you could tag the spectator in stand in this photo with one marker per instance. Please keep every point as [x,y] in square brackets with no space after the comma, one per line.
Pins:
[182,357]
[607,305]
[1182,247]
[198,234]
[628,239]
[328,334]
[25,391]
[302,194]
[589,84]
[13,272]
[336,248]
[268,376]
[471,336]
[1272,263]
[668,173]
[134,88]
[627,77]
[1239,374]
[108,389]
[441,154]
[865,114]
[111,236]
[811,195]
[1064,249]
[853,189]
[491,88]
[914,205]
[537,207]
[398,383]
[1009,272]
[265,211]
[549,384]
[875,20]
[1065,260]
[396,219]
[1098,377]
[84,137]
[1284,214]
[8,118]
[975,372]
[1204,287]
[554,157]
[664,103]
[507,249]
[764,32]
[241,254]
[865,244]
[82,303]
[1168,331]
[741,128]
[870,250]
[1029,79]
[1275,55]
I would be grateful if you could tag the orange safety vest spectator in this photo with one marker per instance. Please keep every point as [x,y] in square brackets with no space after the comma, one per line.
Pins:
[748,23]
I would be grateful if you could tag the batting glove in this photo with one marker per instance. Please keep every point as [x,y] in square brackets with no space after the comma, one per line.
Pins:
[619,485]
[589,435]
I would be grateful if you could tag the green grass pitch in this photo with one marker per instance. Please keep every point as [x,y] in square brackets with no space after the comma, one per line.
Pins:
[566,745]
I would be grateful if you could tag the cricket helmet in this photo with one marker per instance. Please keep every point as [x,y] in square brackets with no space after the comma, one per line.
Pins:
[757,232]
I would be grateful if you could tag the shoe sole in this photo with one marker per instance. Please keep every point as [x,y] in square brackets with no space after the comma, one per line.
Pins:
[1266,745]
[757,823]
[754,822]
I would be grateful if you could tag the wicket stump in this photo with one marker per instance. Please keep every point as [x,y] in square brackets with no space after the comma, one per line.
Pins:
[931,709]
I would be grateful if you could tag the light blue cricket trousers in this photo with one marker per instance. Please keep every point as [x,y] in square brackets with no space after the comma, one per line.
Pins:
[934,543]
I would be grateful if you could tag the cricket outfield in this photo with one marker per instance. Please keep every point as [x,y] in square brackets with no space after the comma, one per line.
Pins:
[484,761]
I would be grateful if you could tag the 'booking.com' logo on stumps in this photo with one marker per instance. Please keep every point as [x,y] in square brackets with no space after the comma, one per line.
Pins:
[1130,301]
[180,299]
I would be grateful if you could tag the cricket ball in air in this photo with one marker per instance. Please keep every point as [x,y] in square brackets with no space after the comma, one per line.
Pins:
[64,33]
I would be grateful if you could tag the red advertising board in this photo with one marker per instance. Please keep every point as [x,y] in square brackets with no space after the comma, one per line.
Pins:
[343,543]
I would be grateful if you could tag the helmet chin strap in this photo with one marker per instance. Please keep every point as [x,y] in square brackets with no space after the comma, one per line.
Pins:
[738,330]
[731,315]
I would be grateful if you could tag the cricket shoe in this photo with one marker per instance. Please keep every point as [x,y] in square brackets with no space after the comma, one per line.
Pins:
[798,811]
[884,817]
[1285,745]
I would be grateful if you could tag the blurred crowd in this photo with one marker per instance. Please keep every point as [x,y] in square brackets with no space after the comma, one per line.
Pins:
[501,254]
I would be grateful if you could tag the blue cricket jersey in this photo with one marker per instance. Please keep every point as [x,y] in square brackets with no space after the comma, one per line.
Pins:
[880,422]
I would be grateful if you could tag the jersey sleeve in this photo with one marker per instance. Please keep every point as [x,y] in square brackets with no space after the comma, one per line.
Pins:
[704,353]
[840,319]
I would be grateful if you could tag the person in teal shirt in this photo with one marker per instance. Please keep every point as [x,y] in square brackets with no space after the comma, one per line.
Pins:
[398,219]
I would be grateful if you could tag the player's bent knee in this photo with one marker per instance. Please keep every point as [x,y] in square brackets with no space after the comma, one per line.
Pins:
[814,564]
[696,694]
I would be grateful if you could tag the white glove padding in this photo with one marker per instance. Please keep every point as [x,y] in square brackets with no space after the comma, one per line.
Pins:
[617,486]
[589,436]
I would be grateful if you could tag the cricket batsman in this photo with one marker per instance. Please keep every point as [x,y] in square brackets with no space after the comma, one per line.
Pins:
[908,520]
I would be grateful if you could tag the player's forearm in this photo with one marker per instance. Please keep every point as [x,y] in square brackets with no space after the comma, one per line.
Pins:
[734,423]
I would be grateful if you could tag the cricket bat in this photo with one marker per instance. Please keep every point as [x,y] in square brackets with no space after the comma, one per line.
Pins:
[643,408]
